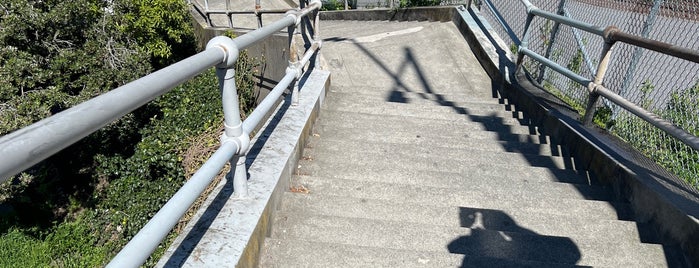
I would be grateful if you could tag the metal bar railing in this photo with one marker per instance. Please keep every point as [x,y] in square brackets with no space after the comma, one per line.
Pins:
[24,148]
[616,35]
[206,12]
[145,241]
[236,137]
[596,89]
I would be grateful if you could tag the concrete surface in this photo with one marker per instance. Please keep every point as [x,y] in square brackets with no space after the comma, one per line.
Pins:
[369,189]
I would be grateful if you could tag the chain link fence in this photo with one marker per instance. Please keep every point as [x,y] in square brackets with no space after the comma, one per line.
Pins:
[662,84]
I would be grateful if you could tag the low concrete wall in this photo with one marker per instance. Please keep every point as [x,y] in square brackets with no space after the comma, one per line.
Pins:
[657,196]
[443,14]
[229,231]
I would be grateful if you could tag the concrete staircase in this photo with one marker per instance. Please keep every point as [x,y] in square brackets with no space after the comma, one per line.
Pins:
[416,161]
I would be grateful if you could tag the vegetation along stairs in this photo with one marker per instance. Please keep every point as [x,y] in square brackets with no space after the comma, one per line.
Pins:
[417,161]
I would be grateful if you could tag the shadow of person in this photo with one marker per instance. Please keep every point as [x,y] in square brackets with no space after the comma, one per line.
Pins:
[497,241]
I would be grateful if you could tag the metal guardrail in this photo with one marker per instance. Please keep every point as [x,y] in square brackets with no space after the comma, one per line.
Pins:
[206,12]
[611,36]
[25,147]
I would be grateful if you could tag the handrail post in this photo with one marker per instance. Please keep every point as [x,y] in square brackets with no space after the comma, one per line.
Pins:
[294,62]
[605,57]
[258,7]
[316,39]
[233,125]
[525,41]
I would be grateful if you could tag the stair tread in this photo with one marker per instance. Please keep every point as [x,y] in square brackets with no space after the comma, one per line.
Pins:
[328,167]
[460,124]
[510,219]
[399,156]
[416,176]
[302,253]
[398,105]
[505,199]
[356,152]
[493,120]
[522,245]
[429,141]
[494,185]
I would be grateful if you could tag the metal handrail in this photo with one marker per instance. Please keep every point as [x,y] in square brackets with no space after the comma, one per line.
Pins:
[595,86]
[25,147]
[236,137]
[205,12]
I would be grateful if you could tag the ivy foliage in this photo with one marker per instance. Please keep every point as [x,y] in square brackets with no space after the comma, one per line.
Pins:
[80,206]
[162,27]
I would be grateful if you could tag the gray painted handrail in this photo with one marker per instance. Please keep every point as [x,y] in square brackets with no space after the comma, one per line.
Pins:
[30,145]
[24,148]
[236,138]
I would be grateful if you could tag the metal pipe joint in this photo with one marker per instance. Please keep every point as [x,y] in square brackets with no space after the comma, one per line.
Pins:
[296,14]
[609,34]
[529,6]
[229,48]
[242,140]
[294,67]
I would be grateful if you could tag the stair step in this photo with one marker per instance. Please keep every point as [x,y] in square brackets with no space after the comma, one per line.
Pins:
[429,139]
[524,144]
[510,196]
[487,114]
[436,158]
[498,220]
[469,183]
[333,119]
[391,105]
[328,168]
[446,130]
[302,253]
[441,178]
[391,94]
[522,245]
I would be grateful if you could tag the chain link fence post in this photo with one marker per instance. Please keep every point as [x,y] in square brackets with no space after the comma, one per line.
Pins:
[637,54]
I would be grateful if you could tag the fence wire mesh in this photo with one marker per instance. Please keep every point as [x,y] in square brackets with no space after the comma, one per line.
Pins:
[662,84]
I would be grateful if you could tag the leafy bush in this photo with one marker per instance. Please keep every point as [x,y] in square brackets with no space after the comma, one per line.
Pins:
[79,207]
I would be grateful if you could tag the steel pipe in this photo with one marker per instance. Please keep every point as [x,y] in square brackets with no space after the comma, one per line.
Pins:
[23,148]
[653,119]
[254,118]
[569,21]
[614,34]
[558,68]
[142,245]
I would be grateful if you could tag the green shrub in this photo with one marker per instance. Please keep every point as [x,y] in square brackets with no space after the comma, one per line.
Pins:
[667,151]
[80,206]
